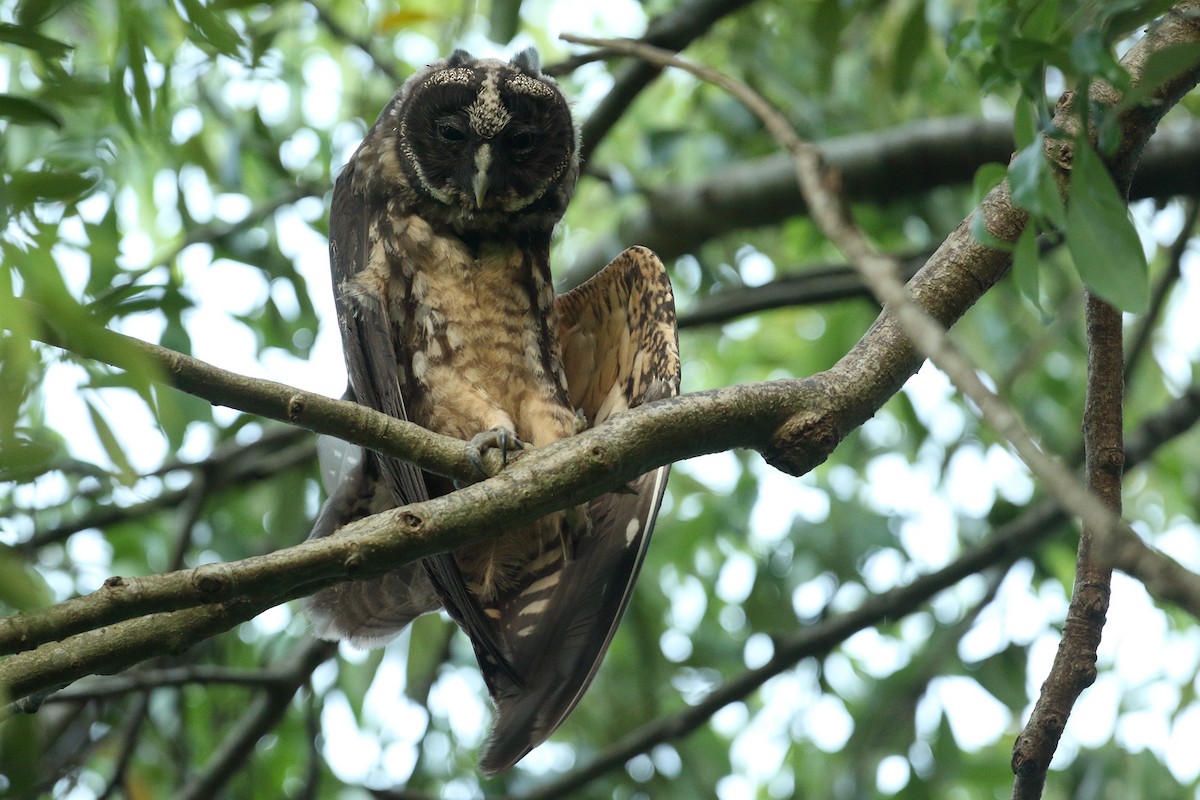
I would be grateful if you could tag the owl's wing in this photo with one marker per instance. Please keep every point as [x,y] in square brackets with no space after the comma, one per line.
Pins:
[367,613]
[370,612]
[620,350]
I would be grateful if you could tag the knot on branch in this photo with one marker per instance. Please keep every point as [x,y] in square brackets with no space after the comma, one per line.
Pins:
[295,407]
[1091,604]
[1109,459]
[212,582]
[353,563]
[801,443]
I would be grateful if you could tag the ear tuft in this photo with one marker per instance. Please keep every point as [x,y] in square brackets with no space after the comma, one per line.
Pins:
[529,62]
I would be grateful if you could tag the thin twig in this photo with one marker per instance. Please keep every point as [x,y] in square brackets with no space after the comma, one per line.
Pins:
[227,469]
[146,680]
[1074,667]
[1162,289]
[264,714]
[128,734]
[340,31]
[674,30]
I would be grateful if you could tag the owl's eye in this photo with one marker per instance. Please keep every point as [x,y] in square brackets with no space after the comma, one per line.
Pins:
[520,140]
[450,131]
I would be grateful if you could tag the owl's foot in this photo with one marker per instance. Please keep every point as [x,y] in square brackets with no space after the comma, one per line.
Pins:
[503,439]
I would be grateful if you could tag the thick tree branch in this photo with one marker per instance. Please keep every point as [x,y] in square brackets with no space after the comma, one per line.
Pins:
[821,190]
[547,479]
[808,286]
[875,167]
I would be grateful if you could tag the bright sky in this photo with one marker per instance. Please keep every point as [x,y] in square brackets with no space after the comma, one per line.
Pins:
[1151,663]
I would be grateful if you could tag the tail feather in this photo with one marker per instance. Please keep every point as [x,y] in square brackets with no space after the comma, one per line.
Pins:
[559,660]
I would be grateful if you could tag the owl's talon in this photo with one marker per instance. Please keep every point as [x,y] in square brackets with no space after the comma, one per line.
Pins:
[503,439]
[581,421]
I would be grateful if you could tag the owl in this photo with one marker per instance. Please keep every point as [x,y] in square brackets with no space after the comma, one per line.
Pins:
[439,243]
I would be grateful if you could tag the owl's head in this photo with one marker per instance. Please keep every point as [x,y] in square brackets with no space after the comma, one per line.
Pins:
[490,143]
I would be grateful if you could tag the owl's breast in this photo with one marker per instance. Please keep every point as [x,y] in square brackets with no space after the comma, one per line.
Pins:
[475,338]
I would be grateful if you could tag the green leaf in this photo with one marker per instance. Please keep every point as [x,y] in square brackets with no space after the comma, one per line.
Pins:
[1101,238]
[987,178]
[21,748]
[1032,183]
[21,588]
[1025,124]
[104,247]
[214,29]
[1160,67]
[1091,56]
[31,13]
[910,46]
[29,187]
[1026,262]
[24,111]
[1042,21]
[504,20]
[23,460]
[112,447]
[31,40]
[135,51]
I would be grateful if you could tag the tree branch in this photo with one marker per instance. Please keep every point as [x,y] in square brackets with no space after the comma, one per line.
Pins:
[340,31]
[1007,543]
[264,714]
[1074,667]
[1162,289]
[815,641]
[144,680]
[875,166]
[674,30]
[810,286]
[231,466]
[349,421]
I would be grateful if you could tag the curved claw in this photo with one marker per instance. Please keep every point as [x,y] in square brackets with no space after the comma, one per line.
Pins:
[504,439]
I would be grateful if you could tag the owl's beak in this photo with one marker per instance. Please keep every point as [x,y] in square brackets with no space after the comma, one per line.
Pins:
[480,185]
[483,163]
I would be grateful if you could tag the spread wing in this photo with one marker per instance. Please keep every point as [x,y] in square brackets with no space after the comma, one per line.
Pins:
[620,350]
[370,612]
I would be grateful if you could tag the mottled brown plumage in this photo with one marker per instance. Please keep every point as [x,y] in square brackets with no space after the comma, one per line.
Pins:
[439,245]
